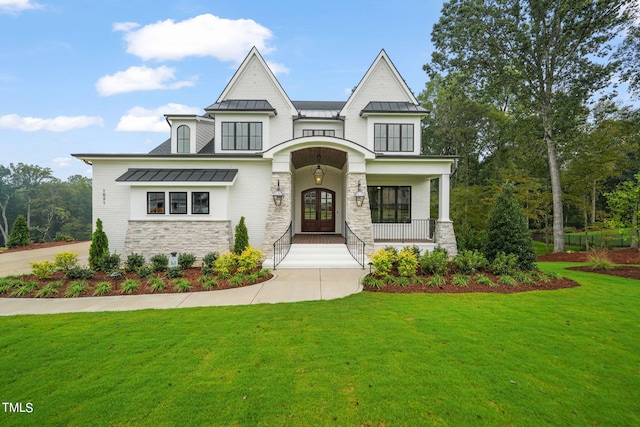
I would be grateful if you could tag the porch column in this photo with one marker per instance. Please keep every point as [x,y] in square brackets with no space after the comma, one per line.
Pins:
[278,217]
[444,234]
[359,217]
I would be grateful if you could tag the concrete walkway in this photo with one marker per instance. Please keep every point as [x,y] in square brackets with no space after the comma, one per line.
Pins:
[288,285]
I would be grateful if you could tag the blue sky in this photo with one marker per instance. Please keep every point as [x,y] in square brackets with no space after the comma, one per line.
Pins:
[88,76]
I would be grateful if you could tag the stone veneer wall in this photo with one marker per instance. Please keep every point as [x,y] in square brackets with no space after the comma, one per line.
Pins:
[446,238]
[278,217]
[197,237]
[359,217]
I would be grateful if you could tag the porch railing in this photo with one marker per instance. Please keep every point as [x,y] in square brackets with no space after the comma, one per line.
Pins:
[355,245]
[415,231]
[282,245]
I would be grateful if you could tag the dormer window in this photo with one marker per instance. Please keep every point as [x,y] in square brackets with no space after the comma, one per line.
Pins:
[183,137]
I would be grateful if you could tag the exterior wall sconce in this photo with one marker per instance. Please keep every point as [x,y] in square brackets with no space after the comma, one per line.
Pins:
[318,174]
[278,196]
[359,195]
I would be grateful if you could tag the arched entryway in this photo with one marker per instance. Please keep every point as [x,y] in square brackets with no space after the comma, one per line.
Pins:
[318,211]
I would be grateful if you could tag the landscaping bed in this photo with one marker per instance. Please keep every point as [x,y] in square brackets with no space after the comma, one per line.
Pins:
[626,271]
[32,246]
[192,276]
[622,256]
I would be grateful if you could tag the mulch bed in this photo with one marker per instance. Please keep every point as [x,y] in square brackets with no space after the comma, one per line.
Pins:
[626,271]
[450,288]
[622,256]
[191,274]
[36,246]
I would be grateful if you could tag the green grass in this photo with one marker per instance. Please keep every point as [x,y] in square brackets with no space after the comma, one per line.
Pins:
[547,358]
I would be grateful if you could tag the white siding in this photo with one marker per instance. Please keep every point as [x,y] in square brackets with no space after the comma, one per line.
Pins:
[300,125]
[204,133]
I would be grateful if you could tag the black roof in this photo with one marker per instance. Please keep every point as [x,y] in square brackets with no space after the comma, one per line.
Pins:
[178,175]
[241,105]
[392,107]
[318,105]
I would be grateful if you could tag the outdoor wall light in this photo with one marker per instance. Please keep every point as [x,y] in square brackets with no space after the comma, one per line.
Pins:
[318,174]
[359,195]
[278,196]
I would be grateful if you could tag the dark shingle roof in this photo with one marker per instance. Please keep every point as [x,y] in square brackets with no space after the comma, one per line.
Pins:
[241,105]
[178,175]
[318,105]
[392,107]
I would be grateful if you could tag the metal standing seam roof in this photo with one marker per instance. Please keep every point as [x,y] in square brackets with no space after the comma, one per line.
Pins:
[242,105]
[393,107]
[178,175]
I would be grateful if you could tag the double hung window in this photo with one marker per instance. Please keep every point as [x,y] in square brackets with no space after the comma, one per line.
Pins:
[183,135]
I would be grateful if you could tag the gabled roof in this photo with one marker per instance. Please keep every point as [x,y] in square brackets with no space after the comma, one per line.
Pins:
[382,57]
[178,175]
[253,54]
[242,105]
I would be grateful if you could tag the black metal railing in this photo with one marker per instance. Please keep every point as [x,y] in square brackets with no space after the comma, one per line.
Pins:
[282,245]
[355,245]
[414,231]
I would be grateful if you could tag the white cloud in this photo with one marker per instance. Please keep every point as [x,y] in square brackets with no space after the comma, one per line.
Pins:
[277,68]
[57,124]
[125,26]
[62,162]
[204,35]
[15,6]
[140,119]
[140,78]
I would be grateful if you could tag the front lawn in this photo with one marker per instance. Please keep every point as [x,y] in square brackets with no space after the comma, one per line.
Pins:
[565,357]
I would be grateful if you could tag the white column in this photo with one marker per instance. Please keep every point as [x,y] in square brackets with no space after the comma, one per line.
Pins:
[443,198]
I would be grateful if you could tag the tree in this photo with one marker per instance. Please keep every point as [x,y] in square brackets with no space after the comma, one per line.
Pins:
[19,233]
[551,56]
[27,179]
[241,240]
[507,230]
[624,202]
[99,249]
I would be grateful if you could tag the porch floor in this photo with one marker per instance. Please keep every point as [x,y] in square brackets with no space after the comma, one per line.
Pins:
[318,239]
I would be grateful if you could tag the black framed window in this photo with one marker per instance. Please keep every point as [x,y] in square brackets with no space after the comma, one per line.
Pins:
[318,132]
[390,203]
[183,135]
[241,135]
[155,202]
[392,137]
[178,203]
[199,202]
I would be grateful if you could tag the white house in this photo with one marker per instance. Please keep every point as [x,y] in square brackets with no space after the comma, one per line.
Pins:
[292,168]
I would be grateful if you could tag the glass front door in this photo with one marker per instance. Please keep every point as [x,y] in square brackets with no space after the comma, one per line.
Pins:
[318,210]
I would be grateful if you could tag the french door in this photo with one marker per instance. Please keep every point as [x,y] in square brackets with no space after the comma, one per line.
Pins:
[318,210]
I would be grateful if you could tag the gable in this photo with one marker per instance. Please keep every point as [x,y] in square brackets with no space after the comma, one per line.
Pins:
[381,83]
[254,80]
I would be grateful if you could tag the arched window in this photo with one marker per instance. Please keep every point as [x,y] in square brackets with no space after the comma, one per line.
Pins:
[184,139]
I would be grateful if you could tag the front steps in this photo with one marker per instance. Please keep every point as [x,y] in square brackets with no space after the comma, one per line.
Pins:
[316,256]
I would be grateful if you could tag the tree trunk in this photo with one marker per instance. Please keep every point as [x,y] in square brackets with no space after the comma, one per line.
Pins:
[556,189]
[593,203]
[586,222]
[4,226]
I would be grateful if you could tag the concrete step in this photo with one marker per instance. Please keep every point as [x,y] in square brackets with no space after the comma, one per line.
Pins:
[316,256]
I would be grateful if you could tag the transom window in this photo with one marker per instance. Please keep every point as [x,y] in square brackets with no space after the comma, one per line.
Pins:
[241,135]
[318,132]
[393,137]
[155,203]
[390,203]
[200,202]
[183,139]
[178,203]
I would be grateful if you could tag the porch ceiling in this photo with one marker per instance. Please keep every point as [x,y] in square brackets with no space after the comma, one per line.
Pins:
[328,157]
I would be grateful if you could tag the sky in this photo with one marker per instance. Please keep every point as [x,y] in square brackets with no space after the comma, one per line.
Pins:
[83,76]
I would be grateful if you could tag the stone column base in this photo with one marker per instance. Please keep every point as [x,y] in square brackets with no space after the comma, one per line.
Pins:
[278,217]
[445,237]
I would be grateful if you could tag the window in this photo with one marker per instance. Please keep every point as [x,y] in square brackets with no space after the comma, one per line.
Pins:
[178,203]
[183,139]
[199,203]
[393,137]
[241,135]
[155,203]
[390,204]
[318,132]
